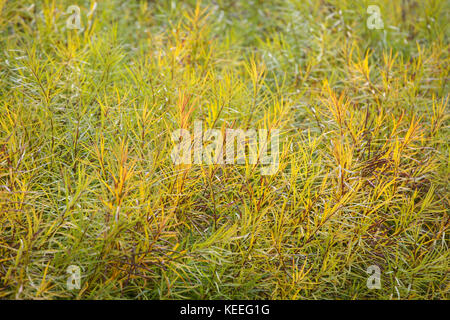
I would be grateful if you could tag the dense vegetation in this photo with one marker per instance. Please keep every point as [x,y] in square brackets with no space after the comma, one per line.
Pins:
[86,176]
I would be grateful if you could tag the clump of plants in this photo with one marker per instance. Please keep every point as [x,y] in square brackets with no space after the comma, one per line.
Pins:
[87,178]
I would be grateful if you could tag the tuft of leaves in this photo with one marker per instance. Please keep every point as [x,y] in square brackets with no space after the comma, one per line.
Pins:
[86,176]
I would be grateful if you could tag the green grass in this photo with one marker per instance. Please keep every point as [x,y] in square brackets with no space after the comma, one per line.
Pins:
[86,176]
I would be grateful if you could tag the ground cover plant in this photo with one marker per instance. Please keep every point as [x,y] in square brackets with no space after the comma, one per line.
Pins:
[86,175]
